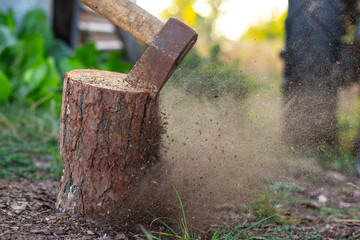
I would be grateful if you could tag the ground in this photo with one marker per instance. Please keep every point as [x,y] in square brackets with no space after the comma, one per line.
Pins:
[323,205]
[215,158]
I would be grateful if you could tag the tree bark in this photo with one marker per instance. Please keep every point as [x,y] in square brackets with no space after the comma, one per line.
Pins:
[109,136]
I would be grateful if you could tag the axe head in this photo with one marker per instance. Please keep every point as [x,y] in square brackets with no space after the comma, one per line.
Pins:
[161,58]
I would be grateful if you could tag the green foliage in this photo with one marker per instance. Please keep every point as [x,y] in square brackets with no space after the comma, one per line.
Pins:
[33,61]
[265,206]
[87,56]
[5,90]
[8,20]
[7,38]
[272,29]
[25,61]
[208,77]
[212,78]
[34,22]
[32,64]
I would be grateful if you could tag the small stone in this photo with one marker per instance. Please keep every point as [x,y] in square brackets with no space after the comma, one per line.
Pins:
[59,231]
[344,204]
[18,207]
[250,216]
[121,236]
[90,232]
[41,231]
[322,199]
[311,204]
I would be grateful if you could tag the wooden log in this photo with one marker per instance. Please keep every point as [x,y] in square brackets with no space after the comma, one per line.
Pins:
[109,136]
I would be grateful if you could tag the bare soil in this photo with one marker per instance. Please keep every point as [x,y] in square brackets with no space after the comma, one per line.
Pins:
[326,202]
[27,211]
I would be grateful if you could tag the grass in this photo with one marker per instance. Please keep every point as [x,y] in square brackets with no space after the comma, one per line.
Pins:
[185,233]
[179,229]
[28,142]
[210,78]
[265,206]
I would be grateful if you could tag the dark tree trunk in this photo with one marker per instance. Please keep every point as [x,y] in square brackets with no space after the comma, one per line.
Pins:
[109,136]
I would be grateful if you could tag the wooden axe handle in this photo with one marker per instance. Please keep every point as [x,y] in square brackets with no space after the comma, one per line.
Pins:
[128,16]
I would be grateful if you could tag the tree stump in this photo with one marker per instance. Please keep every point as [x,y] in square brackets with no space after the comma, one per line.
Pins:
[109,136]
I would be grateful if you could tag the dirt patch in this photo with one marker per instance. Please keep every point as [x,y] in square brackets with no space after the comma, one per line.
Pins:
[219,156]
[328,206]
[27,211]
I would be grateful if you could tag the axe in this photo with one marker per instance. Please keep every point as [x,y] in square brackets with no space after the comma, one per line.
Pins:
[168,43]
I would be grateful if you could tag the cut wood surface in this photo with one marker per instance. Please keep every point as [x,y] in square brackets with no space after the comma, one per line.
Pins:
[109,136]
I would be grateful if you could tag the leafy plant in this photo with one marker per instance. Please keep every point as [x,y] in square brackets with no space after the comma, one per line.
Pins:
[25,59]
[87,56]
[265,206]
[33,61]
[5,90]
[212,77]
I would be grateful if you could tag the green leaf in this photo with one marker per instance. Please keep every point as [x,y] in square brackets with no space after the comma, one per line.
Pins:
[48,85]
[88,55]
[69,64]
[8,20]
[5,88]
[116,64]
[6,59]
[35,22]
[7,38]
[59,50]
[31,79]
[26,53]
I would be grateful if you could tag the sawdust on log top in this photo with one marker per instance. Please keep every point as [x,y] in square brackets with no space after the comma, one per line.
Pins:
[103,79]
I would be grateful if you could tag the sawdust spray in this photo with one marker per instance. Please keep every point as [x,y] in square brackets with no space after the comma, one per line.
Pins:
[217,154]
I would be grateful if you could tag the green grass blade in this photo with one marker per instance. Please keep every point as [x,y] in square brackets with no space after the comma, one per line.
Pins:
[257,223]
[163,223]
[266,234]
[214,237]
[147,234]
[186,232]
